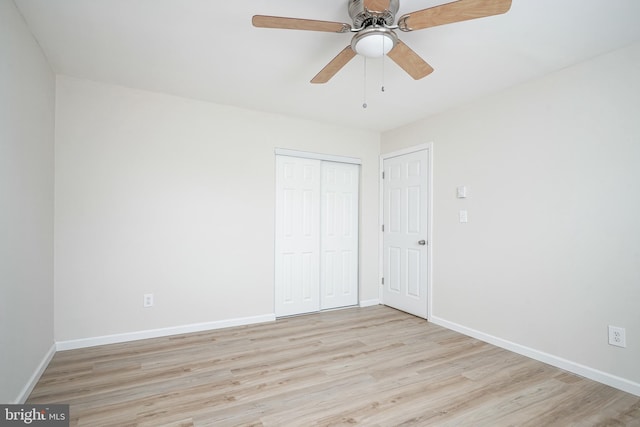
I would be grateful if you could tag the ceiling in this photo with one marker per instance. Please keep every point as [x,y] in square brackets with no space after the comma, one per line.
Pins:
[208,50]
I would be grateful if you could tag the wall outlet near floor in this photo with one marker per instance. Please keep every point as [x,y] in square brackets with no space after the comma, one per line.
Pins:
[617,336]
[148,300]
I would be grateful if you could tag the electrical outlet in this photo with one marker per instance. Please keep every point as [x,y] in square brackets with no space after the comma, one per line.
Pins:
[148,300]
[617,336]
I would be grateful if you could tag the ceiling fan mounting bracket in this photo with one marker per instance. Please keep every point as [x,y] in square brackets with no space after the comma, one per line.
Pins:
[402,23]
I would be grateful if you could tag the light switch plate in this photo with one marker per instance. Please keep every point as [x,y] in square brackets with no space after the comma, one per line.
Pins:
[461,192]
[464,217]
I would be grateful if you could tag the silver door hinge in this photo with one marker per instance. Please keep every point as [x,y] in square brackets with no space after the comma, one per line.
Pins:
[383,280]
[382,175]
[383,228]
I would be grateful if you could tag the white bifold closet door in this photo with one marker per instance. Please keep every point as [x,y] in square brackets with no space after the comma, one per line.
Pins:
[316,265]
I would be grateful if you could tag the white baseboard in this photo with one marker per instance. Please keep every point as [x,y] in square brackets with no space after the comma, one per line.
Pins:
[162,332]
[369,302]
[576,368]
[28,388]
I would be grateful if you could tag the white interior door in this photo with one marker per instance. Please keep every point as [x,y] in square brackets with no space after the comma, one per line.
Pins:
[297,243]
[405,239]
[339,235]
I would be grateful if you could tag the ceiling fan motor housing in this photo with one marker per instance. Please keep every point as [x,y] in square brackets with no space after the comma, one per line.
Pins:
[363,17]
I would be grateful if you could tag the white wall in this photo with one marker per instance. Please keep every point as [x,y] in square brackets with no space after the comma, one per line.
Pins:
[27,90]
[551,253]
[176,197]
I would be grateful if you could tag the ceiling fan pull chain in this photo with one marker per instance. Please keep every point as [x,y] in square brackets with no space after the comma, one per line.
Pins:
[383,61]
[364,103]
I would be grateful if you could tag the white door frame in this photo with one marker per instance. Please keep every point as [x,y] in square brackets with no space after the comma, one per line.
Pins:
[429,147]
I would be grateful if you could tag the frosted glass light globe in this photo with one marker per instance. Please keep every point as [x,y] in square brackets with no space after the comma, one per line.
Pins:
[374,42]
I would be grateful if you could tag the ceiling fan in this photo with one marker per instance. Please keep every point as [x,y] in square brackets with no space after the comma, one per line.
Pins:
[373,25]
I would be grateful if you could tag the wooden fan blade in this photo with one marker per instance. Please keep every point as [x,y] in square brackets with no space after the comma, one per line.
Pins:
[410,61]
[377,5]
[263,21]
[461,10]
[334,66]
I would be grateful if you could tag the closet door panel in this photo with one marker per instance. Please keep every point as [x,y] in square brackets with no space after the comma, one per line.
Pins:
[297,243]
[339,235]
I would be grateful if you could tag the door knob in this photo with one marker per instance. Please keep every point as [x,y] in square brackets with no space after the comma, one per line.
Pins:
[422,242]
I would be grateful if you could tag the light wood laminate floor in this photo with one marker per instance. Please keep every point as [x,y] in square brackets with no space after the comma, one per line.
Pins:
[370,366]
